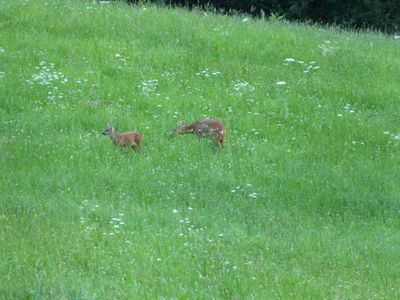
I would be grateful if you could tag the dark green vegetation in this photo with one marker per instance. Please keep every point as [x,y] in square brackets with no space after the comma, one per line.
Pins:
[302,203]
[383,15]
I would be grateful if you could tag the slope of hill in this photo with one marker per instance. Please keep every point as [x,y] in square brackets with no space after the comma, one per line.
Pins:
[302,203]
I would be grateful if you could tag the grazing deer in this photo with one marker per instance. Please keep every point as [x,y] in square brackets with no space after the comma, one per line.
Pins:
[125,139]
[204,128]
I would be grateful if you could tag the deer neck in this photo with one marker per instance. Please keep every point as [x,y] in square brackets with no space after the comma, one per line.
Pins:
[115,137]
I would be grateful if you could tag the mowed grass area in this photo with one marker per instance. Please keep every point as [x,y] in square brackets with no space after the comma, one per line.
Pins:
[303,202]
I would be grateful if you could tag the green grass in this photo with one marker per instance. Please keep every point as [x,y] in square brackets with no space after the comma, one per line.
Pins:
[302,203]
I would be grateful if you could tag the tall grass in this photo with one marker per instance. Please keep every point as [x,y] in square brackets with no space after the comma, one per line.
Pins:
[302,203]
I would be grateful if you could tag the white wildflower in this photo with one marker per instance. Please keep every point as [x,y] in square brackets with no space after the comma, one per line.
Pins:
[242,86]
[327,48]
[253,195]
[207,73]
[148,86]
[289,60]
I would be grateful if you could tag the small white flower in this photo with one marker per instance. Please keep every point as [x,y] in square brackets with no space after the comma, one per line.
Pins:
[243,86]
[207,73]
[174,211]
[245,20]
[253,195]
[289,59]
[281,83]
[397,37]
[148,86]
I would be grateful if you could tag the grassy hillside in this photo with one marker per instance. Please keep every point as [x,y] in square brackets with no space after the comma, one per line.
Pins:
[303,202]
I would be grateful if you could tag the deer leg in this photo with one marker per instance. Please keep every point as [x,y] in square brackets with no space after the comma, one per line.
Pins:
[219,141]
[135,148]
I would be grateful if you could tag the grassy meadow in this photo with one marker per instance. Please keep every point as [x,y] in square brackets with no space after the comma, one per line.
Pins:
[303,202]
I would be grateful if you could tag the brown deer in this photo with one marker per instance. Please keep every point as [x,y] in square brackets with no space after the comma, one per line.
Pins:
[125,139]
[204,128]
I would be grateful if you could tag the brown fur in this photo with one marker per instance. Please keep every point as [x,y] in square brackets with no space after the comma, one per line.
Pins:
[126,139]
[205,128]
